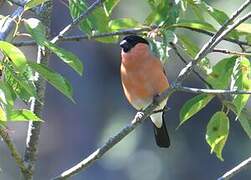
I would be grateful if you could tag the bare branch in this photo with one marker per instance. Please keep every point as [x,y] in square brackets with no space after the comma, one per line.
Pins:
[226,51]
[185,62]
[9,23]
[210,91]
[18,3]
[76,21]
[13,150]
[100,35]
[33,133]
[240,167]
[139,118]
[123,32]
[208,47]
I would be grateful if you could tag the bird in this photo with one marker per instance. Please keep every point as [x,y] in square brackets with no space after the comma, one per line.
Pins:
[143,78]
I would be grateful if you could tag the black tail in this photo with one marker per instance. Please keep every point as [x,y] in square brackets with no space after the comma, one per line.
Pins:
[161,135]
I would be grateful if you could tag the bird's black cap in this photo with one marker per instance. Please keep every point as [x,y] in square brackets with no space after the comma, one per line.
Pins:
[130,41]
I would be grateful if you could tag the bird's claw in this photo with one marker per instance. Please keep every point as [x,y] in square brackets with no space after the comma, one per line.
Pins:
[138,116]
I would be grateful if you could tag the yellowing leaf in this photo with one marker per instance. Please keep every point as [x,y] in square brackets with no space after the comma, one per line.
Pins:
[15,55]
[241,81]
[217,133]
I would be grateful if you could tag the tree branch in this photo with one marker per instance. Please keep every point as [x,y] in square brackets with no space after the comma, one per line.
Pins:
[210,91]
[33,133]
[185,62]
[208,47]
[240,167]
[18,3]
[139,118]
[81,37]
[5,31]
[13,150]
[226,51]
[10,22]
[76,21]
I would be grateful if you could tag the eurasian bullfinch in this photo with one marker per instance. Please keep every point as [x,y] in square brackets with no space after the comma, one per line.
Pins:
[143,78]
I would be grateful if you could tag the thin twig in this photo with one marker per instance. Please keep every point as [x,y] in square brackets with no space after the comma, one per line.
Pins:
[13,150]
[10,22]
[208,47]
[185,62]
[5,31]
[210,91]
[203,31]
[81,37]
[226,51]
[240,167]
[33,133]
[76,21]
[18,3]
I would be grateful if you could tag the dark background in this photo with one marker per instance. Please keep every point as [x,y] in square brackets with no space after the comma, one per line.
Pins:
[73,131]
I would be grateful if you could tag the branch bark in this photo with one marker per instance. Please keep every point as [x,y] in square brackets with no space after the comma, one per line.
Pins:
[210,91]
[208,47]
[33,133]
[76,21]
[226,51]
[240,167]
[6,31]
[13,150]
[81,37]
[139,118]
[9,23]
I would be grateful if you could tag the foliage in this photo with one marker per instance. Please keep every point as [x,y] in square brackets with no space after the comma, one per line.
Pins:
[168,16]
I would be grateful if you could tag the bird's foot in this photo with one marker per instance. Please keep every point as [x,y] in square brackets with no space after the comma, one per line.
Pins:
[138,116]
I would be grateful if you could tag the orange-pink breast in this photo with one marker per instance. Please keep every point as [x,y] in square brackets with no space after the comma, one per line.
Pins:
[142,76]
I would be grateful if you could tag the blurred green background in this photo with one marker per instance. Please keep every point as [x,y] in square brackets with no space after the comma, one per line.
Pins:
[72,131]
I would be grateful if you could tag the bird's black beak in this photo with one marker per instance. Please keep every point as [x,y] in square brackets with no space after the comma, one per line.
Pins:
[125,45]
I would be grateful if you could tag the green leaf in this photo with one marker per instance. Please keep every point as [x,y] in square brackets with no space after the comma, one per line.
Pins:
[193,106]
[14,54]
[245,120]
[33,3]
[220,16]
[69,58]
[195,25]
[97,22]
[244,28]
[123,23]
[20,83]
[163,12]
[37,30]
[55,79]
[160,47]
[23,115]
[241,81]
[217,133]
[3,116]
[109,5]
[5,94]
[244,117]
[221,73]
[6,99]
